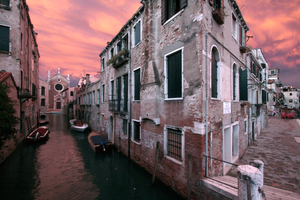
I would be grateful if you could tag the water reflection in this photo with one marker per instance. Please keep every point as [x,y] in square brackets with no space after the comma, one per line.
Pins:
[65,167]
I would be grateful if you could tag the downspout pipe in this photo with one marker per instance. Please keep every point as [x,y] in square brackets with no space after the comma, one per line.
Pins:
[129,91]
[206,105]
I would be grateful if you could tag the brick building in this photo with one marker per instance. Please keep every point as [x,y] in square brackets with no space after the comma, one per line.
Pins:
[176,77]
[19,55]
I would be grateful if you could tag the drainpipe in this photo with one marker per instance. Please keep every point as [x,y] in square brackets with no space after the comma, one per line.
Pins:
[129,91]
[206,107]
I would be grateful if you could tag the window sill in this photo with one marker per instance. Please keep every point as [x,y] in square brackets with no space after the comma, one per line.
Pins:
[173,17]
[174,160]
[215,99]
[136,142]
[135,46]
[136,101]
[174,99]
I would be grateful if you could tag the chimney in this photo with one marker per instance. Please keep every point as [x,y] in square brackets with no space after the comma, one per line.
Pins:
[88,79]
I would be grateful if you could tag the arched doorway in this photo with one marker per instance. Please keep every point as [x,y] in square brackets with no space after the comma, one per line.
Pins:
[111,128]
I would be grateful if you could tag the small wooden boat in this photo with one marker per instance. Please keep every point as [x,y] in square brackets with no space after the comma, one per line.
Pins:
[98,143]
[42,115]
[39,134]
[77,125]
[43,121]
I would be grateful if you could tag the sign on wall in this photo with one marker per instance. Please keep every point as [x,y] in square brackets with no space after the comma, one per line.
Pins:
[226,107]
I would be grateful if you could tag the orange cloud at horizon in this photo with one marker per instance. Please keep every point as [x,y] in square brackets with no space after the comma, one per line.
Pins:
[72,35]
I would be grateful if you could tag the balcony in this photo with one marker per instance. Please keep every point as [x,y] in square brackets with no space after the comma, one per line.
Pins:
[121,58]
[117,106]
[218,15]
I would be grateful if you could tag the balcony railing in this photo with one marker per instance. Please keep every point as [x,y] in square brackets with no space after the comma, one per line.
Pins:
[116,105]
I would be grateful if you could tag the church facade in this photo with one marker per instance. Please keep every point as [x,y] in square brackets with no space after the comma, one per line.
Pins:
[54,93]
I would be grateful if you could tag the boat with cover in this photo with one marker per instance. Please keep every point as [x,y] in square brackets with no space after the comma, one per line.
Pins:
[98,143]
[39,134]
[77,125]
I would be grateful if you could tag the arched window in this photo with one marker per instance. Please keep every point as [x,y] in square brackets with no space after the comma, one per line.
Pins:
[215,71]
[43,102]
[43,91]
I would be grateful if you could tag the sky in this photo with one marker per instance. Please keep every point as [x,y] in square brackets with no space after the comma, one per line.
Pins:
[72,33]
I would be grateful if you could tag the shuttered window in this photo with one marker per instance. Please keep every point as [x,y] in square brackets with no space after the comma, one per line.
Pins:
[174,75]
[264,97]
[137,83]
[170,8]
[243,85]
[136,131]
[214,74]
[4,2]
[137,33]
[118,93]
[4,38]
[125,92]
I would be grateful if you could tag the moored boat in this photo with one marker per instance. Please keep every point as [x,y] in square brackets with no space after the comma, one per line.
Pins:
[98,143]
[77,125]
[39,134]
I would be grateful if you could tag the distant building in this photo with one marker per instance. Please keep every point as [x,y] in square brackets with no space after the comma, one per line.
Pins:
[54,93]
[19,55]
[291,97]
[274,90]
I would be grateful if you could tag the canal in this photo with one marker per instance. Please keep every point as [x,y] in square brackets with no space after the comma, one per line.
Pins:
[65,167]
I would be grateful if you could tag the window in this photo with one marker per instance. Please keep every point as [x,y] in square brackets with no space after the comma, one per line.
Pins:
[136,131]
[291,94]
[119,46]
[170,7]
[43,102]
[125,126]
[291,100]
[137,33]
[241,36]
[118,93]
[246,125]
[93,97]
[43,91]
[215,63]
[111,52]
[125,42]
[137,83]
[98,91]
[272,72]
[234,26]
[215,3]
[102,64]
[125,93]
[103,92]
[111,90]
[243,84]
[4,2]
[235,82]
[173,71]
[71,93]
[58,87]
[4,37]
[174,143]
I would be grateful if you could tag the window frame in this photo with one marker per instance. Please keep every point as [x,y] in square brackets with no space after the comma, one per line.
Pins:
[234,26]
[182,144]
[102,64]
[7,47]
[133,131]
[103,93]
[218,73]
[134,43]
[166,88]
[134,85]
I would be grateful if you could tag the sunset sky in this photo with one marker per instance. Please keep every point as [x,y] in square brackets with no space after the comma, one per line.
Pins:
[72,33]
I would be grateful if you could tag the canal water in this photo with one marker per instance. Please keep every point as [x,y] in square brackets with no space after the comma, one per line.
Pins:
[65,167]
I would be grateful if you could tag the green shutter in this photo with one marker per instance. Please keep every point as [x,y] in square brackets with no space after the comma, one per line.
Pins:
[137,83]
[137,33]
[244,85]
[125,109]
[4,38]
[174,73]
[163,11]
